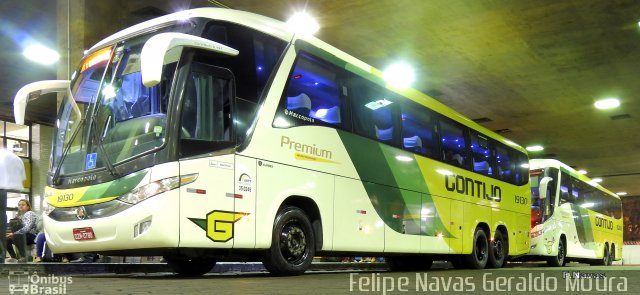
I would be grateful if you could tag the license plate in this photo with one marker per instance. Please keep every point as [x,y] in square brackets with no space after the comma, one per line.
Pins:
[83,234]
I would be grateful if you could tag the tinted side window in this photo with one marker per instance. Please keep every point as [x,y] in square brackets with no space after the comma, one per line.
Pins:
[418,129]
[505,164]
[481,154]
[312,94]
[374,111]
[452,140]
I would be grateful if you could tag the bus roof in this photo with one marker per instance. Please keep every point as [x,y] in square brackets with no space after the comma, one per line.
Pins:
[280,30]
[542,163]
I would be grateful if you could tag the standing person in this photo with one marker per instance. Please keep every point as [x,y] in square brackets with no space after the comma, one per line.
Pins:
[11,177]
[26,235]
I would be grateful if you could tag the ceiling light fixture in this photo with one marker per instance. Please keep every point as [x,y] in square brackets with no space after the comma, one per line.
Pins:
[607,103]
[581,171]
[535,148]
[399,75]
[41,54]
[303,23]
[621,193]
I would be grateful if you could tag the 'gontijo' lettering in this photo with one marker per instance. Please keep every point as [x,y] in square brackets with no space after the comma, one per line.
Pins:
[473,188]
[601,222]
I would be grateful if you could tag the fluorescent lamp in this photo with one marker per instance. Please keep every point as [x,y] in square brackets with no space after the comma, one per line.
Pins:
[303,23]
[41,54]
[607,103]
[535,148]
[400,75]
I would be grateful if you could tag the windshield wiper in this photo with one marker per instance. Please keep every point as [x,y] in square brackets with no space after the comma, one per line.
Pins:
[55,180]
[94,132]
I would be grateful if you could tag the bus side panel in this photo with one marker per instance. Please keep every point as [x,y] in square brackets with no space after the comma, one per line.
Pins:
[275,183]
[206,205]
[357,226]
[474,215]
[456,223]
[402,233]
[245,202]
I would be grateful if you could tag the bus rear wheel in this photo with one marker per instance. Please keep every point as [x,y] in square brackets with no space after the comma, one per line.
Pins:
[480,253]
[605,257]
[190,267]
[498,251]
[293,243]
[612,254]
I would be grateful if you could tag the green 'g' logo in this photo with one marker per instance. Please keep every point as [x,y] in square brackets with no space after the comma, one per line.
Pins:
[219,224]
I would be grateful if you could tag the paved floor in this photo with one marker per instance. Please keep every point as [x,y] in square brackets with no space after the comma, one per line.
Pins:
[376,280]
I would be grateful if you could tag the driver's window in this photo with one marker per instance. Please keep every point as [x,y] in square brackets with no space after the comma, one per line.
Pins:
[565,188]
[206,110]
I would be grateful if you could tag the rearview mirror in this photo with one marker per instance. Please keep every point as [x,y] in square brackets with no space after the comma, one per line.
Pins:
[542,188]
[33,91]
[156,48]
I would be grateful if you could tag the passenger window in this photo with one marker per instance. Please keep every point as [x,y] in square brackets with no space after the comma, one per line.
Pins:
[374,111]
[312,94]
[418,129]
[505,164]
[453,143]
[522,167]
[481,154]
[577,191]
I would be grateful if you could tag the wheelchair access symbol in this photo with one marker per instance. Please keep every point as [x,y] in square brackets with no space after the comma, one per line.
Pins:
[90,162]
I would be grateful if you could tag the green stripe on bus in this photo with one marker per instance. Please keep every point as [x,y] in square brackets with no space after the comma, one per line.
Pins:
[114,188]
[583,227]
[382,175]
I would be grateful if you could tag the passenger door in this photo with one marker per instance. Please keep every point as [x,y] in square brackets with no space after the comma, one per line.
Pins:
[206,157]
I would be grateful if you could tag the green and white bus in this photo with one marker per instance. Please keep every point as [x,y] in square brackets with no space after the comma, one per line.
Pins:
[215,135]
[573,218]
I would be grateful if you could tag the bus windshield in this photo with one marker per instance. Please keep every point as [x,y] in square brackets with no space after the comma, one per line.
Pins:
[121,117]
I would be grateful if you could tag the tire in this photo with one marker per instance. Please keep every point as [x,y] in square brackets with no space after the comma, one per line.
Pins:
[612,254]
[605,257]
[293,243]
[409,263]
[561,258]
[498,251]
[480,252]
[190,267]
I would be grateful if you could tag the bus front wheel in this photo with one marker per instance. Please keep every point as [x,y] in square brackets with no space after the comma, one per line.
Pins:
[292,246]
[560,259]
[190,267]
[480,252]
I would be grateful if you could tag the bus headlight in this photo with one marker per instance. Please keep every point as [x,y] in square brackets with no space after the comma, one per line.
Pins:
[149,190]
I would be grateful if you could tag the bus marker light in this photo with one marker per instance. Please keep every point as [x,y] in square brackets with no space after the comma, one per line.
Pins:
[196,191]
[236,196]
